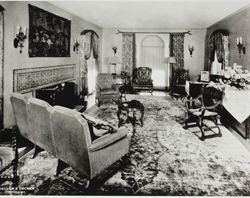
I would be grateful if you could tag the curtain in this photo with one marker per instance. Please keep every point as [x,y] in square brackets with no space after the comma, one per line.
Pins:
[87,45]
[89,60]
[177,48]
[211,45]
[152,55]
[83,67]
[95,43]
[1,63]
[219,45]
[225,40]
[128,52]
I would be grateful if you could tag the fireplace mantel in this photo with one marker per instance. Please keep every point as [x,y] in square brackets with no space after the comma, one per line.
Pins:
[30,79]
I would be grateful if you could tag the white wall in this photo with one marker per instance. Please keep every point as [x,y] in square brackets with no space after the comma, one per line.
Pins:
[195,64]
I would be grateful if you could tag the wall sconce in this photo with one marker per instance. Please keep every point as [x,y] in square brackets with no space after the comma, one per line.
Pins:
[76,45]
[114,48]
[240,46]
[21,35]
[191,49]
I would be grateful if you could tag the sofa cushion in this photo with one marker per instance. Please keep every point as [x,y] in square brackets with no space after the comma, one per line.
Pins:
[19,105]
[72,138]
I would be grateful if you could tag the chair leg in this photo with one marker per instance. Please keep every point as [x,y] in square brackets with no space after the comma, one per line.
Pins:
[200,124]
[186,122]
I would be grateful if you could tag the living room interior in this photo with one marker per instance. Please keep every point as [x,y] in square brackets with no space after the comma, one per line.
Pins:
[97,98]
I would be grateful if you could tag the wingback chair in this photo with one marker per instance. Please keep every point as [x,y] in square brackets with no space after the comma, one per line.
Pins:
[142,80]
[106,89]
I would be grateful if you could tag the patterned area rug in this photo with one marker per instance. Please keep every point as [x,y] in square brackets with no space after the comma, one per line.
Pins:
[164,159]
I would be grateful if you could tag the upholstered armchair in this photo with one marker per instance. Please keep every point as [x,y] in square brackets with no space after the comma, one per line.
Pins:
[205,107]
[179,78]
[141,79]
[106,89]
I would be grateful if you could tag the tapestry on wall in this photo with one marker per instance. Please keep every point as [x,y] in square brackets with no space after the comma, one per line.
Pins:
[49,34]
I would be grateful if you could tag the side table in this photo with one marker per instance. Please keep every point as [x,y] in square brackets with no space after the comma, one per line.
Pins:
[130,106]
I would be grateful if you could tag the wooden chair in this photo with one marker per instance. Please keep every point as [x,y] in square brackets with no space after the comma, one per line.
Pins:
[180,76]
[205,107]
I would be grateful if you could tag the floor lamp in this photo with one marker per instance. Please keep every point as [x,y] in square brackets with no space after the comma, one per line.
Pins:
[171,61]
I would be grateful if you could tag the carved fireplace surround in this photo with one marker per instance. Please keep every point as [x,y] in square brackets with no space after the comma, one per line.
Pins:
[31,79]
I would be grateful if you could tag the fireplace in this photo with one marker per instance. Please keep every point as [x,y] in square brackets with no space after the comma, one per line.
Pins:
[63,94]
[54,84]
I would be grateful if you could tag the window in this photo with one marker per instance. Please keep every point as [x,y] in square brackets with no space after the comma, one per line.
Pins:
[152,55]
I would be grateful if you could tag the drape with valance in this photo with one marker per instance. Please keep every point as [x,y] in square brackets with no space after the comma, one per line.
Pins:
[219,45]
[89,60]
[177,48]
[128,52]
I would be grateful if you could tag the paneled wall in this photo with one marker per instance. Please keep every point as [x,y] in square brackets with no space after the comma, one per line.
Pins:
[195,63]
[238,25]
[16,13]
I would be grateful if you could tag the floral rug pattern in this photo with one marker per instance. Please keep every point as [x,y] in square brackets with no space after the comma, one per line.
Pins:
[164,159]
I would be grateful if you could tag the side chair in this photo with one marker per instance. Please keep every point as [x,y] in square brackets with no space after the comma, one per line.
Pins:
[205,107]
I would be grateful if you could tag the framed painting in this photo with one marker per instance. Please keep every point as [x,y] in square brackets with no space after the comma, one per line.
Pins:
[205,76]
[49,34]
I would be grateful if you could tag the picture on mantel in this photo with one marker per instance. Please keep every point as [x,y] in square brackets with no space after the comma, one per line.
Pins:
[49,34]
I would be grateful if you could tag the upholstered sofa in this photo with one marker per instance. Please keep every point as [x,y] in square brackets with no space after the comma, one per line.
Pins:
[106,89]
[142,80]
[65,134]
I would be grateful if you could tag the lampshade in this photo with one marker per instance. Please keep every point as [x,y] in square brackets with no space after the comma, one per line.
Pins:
[170,59]
[113,60]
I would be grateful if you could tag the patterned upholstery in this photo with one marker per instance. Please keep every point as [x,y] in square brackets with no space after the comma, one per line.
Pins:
[142,79]
[106,88]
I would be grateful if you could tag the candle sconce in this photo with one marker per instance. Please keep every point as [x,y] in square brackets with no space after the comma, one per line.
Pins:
[76,45]
[114,48]
[240,46]
[21,35]
[191,49]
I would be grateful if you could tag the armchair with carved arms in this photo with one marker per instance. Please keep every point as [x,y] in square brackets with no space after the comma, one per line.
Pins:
[142,80]
[106,89]
[205,107]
